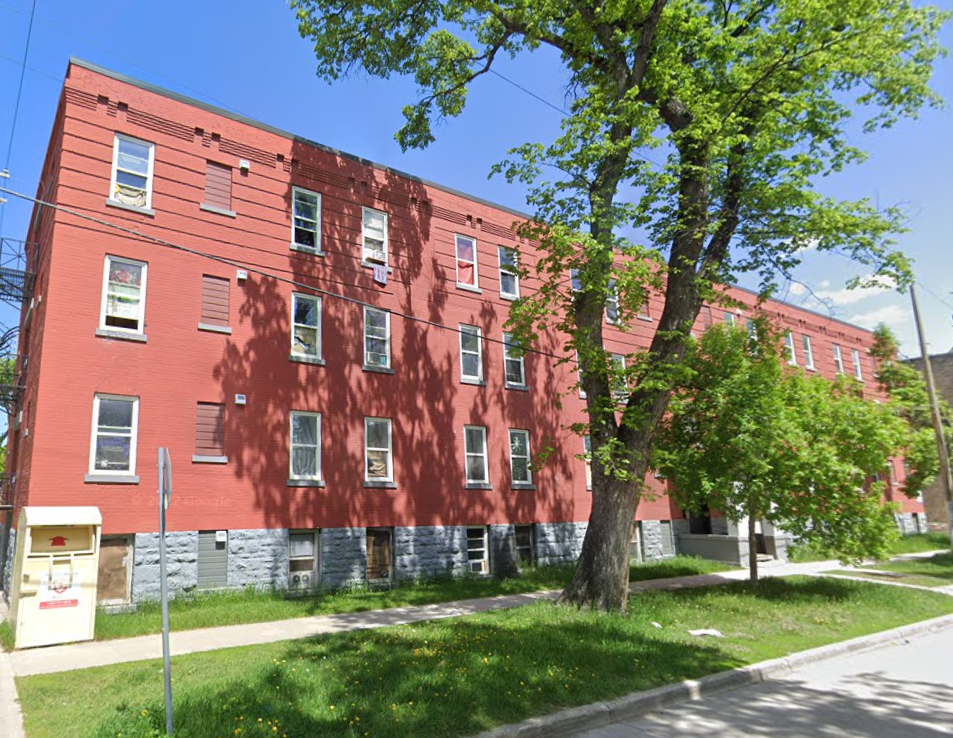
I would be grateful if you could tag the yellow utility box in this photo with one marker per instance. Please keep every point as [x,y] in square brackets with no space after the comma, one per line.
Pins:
[53,589]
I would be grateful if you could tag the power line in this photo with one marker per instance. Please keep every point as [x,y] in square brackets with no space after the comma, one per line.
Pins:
[931,292]
[32,69]
[259,271]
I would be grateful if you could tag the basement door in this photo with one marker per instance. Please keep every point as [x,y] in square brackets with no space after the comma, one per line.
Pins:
[213,559]
[112,584]
[380,552]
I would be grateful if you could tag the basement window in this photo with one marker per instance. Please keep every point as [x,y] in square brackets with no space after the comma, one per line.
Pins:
[478,560]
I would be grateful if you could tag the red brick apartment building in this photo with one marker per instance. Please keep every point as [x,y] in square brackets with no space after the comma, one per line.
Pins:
[319,341]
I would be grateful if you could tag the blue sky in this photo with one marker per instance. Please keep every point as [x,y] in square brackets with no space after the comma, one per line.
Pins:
[248,57]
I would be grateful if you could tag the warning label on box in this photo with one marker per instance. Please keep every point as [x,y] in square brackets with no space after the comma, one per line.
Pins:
[60,591]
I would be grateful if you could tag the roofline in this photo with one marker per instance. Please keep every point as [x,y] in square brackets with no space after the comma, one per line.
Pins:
[237,117]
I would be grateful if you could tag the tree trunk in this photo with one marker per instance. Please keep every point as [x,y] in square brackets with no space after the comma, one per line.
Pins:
[753,551]
[601,580]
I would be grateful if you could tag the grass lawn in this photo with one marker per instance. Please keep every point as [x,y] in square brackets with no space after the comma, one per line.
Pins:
[460,676]
[919,543]
[251,606]
[936,571]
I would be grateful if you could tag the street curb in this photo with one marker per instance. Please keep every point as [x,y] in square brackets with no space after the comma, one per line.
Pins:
[637,704]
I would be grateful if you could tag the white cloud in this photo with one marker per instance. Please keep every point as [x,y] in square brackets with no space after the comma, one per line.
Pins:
[894,316]
[872,287]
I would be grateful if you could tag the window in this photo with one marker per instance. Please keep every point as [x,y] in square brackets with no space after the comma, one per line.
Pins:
[471,354]
[124,295]
[133,162]
[729,318]
[376,338]
[612,302]
[587,458]
[306,326]
[466,262]
[582,392]
[525,544]
[514,370]
[519,457]
[509,273]
[789,343]
[214,302]
[474,442]
[210,432]
[303,559]
[858,371]
[374,236]
[575,281]
[306,220]
[378,466]
[477,559]
[838,359]
[808,352]
[115,423]
[620,387]
[218,187]
[305,446]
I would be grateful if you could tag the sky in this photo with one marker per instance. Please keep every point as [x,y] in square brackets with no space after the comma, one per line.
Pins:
[247,57]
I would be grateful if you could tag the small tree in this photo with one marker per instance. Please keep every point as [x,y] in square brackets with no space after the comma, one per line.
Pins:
[753,439]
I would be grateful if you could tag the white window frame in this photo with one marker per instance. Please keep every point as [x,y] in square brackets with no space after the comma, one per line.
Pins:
[582,391]
[509,271]
[587,459]
[483,563]
[142,295]
[808,352]
[730,318]
[620,388]
[291,445]
[471,330]
[389,449]
[476,262]
[387,353]
[316,570]
[792,350]
[482,453]
[295,296]
[858,369]
[530,529]
[133,436]
[508,343]
[316,249]
[612,298]
[385,246]
[528,457]
[115,169]
[838,359]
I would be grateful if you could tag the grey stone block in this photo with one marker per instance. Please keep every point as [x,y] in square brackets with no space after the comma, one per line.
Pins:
[651,536]
[7,572]
[343,557]
[258,558]
[719,526]
[181,564]
[424,552]
[559,543]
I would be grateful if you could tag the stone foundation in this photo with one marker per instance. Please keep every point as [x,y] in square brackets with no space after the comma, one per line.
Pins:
[181,564]
[559,543]
[258,558]
[426,552]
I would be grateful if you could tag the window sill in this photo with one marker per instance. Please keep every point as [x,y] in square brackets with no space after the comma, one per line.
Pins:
[520,387]
[215,328]
[474,382]
[372,264]
[121,335]
[307,250]
[469,288]
[811,368]
[378,369]
[218,211]
[523,485]
[122,206]
[509,297]
[199,459]
[478,485]
[305,483]
[110,479]
[306,359]
[646,318]
[379,485]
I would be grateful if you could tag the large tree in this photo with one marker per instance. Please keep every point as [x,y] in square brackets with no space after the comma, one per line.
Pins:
[743,105]
[757,440]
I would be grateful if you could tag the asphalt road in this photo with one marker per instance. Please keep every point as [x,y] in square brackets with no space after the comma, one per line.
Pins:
[901,691]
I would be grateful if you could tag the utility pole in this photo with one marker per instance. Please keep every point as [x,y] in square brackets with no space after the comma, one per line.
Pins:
[946,479]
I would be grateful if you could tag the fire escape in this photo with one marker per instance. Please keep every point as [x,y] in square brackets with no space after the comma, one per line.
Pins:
[17,275]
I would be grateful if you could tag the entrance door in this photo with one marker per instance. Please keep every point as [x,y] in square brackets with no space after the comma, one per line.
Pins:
[113,582]
[379,555]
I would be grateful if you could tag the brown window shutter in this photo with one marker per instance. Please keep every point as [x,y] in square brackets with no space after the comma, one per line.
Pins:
[214,300]
[218,186]
[210,429]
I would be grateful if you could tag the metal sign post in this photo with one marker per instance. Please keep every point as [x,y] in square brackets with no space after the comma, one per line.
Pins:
[165,495]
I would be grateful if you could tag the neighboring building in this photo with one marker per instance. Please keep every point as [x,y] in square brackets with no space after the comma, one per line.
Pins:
[934,496]
[319,341]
